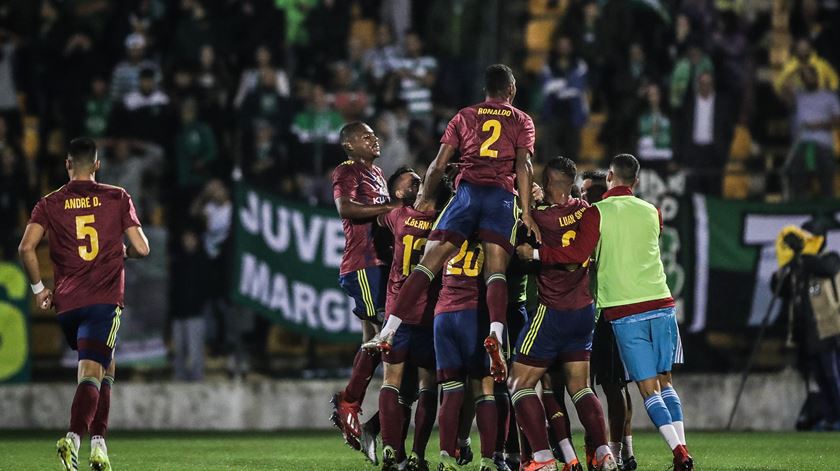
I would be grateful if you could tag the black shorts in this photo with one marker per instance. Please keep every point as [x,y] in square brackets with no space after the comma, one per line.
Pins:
[605,361]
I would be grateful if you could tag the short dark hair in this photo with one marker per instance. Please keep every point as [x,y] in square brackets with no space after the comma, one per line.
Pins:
[596,176]
[147,73]
[349,130]
[392,180]
[497,79]
[625,167]
[563,165]
[82,151]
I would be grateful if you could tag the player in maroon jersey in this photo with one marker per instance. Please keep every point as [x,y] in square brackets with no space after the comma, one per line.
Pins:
[496,141]
[460,321]
[412,344]
[560,331]
[361,194]
[86,223]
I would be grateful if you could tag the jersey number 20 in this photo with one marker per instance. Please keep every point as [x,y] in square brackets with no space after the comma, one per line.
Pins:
[494,127]
[85,231]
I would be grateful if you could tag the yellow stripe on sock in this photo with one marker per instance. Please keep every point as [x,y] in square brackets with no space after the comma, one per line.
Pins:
[522,393]
[580,394]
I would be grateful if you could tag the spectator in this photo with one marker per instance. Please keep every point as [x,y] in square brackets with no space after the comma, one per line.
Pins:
[803,56]
[706,129]
[683,37]
[8,89]
[816,114]
[626,99]
[585,27]
[215,207]
[129,164]
[393,145]
[396,17]
[14,191]
[182,86]
[685,74]
[380,60]
[193,31]
[819,26]
[145,112]
[195,149]
[356,62]
[126,75]
[250,78]
[565,108]
[262,160]
[191,274]
[350,100]
[212,82]
[265,102]
[416,74]
[731,55]
[97,109]
[319,125]
[654,129]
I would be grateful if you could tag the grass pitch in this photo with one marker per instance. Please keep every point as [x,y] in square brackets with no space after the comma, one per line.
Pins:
[324,451]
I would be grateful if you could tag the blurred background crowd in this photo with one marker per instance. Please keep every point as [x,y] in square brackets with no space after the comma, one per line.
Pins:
[186,97]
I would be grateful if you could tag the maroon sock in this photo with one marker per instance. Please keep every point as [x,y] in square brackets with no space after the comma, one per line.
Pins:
[531,417]
[449,415]
[503,420]
[99,426]
[414,286]
[84,406]
[525,451]
[591,416]
[486,417]
[390,416]
[424,420]
[497,298]
[557,416]
[512,443]
[406,422]
[363,367]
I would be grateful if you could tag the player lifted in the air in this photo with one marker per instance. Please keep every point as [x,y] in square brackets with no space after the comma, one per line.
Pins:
[361,194]
[85,222]
[559,331]
[496,141]
[413,346]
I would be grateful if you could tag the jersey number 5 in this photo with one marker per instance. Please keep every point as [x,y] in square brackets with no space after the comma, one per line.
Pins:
[85,230]
[494,127]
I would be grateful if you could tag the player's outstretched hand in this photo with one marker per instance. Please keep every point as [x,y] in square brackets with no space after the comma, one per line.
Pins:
[525,252]
[532,227]
[44,299]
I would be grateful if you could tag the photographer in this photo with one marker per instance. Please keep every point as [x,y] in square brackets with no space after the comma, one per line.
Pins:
[809,291]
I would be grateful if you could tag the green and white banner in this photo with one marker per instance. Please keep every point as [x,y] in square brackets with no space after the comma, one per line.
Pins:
[735,256]
[286,261]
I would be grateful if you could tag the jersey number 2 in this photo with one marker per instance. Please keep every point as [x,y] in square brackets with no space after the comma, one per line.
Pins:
[85,230]
[494,127]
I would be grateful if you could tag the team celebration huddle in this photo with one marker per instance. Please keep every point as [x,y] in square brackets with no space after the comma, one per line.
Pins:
[448,320]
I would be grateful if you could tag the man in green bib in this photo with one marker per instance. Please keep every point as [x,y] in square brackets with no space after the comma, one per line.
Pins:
[623,232]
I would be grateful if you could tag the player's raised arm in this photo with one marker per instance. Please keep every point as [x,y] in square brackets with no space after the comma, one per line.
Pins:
[524,180]
[31,238]
[138,243]
[436,170]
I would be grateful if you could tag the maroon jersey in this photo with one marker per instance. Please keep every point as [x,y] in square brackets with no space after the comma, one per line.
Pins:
[487,135]
[85,222]
[463,284]
[366,186]
[411,229]
[560,288]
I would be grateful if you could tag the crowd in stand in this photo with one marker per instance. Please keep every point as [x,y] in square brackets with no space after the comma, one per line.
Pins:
[184,97]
